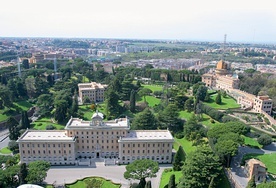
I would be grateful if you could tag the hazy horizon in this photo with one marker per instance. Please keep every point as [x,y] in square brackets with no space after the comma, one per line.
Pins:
[242,21]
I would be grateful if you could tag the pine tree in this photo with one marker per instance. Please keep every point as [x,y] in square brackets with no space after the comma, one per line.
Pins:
[172,182]
[179,159]
[251,183]
[132,101]
[218,98]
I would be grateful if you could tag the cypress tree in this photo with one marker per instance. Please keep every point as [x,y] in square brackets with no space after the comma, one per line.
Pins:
[179,159]
[75,104]
[132,101]
[218,98]
[23,173]
[13,128]
[172,182]
[25,123]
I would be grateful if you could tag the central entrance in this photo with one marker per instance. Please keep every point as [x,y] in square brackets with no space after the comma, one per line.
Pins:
[98,155]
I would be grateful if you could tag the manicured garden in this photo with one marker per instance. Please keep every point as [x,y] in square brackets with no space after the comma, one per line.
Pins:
[186,144]
[226,103]
[5,150]
[42,123]
[165,178]
[96,180]
[267,159]
[206,120]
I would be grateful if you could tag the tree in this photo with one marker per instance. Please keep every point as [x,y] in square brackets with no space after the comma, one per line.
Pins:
[251,183]
[132,101]
[212,183]
[37,171]
[140,170]
[86,100]
[199,168]
[226,149]
[180,100]
[172,182]
[13,146]
[145,121]
[113,107]
[207,97]
[218,98]
[75,105]
[144,92]
[189,104]
[201,93]
[264,139]
[25,64]
[169,117]
[25,122]
[191,126]
[61,107]
[13,128]
[179,159]
[23,173]
[45,103]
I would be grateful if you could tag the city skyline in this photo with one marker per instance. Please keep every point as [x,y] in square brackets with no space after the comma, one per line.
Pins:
[242,21]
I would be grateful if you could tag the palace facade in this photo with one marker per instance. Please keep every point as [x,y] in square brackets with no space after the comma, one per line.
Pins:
[93,91]
[96,139]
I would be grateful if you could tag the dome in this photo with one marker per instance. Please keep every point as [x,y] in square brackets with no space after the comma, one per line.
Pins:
[98,115]
[29,186]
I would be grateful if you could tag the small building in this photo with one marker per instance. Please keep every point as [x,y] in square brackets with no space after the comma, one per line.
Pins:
[263,103]
[94,91]
[257,168]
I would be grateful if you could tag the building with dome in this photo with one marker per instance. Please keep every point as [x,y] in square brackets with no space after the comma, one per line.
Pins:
[83,141]
[222,78]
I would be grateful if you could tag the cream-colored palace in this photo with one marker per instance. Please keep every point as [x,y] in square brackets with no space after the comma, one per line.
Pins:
[83,141]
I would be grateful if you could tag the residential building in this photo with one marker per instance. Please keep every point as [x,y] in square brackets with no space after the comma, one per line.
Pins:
[257,168]
[94,91]
[83,141]
[263,103]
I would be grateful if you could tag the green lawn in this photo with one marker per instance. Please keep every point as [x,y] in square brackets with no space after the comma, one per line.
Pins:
[267,159]
[251,142]
[82,184]
[205,118]
[227,103]
[43,122]
[24,105]
[187,145]
[5,150]
[165,178]
[153,87]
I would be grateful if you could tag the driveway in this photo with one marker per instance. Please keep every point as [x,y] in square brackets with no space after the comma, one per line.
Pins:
[59,175]
[237,170]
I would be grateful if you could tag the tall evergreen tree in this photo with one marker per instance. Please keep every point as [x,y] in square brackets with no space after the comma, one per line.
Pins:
[145,121]
[148,184]
[25,122]
[132,101]
[113,107]
[75,105]
[13,128]
[23,173]
[172,182]
[179,159]
[218,98]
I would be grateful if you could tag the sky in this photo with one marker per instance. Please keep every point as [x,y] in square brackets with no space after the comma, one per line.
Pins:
[196,20]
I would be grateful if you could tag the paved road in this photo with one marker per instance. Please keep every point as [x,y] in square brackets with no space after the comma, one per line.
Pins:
[237,170]
[61,175]
[4,139]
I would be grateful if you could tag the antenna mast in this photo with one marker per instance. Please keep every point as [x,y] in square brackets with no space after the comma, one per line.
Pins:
[224,44]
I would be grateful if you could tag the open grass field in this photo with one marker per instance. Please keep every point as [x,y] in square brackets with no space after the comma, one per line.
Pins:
[227,103]
[165,178]
[267,159]
[153,87]
[205,118]
[42,123]
[187,145]
[82,184]
[251,142]
[24,105]
[5,150]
